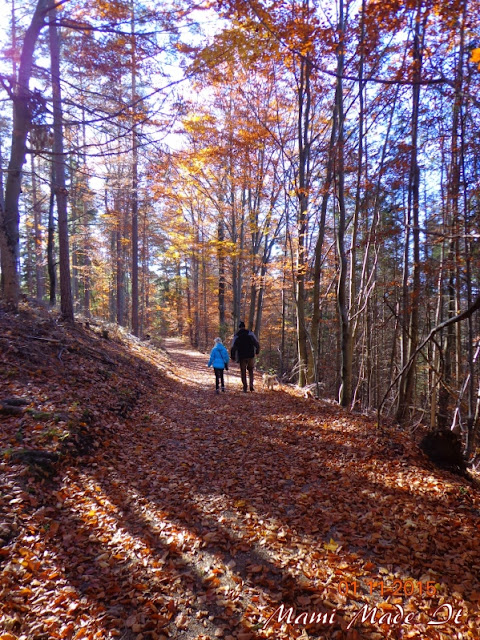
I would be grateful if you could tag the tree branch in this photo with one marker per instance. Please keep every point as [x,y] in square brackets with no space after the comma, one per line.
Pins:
[443,325]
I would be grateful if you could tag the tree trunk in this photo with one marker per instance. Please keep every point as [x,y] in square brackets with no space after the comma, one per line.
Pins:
[411,299]
[236,259]
[221,276]
[352,286]
[28,255]
[468,249]
[179,298]
[2,208]
[253,298]
[120,263]
[87,287]
[66,302]
[284,294]
[206,335]
[145,316]
[261,293]
[317,269]
[37,226]
[189,305]
[52,273]
[196,301]
[24,103]
[342,303]
[134,195]
[303,186]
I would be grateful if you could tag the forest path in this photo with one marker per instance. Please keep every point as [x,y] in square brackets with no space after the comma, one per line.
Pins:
[193,365]
[194,516]
[280,499]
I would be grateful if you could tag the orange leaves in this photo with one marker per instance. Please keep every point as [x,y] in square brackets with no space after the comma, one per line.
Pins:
[202,519]
[475,57]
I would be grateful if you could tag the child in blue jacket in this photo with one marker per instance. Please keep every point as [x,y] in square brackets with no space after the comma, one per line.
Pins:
[219,360]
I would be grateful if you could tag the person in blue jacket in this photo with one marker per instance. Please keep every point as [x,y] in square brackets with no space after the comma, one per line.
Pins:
[219,360]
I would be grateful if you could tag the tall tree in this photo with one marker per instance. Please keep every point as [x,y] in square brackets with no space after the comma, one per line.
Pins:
[134,192]
[411,296]
[304,133]
[59,186]
[25,104]
[342,298]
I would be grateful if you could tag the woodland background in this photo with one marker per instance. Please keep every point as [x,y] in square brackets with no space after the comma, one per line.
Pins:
[309,167]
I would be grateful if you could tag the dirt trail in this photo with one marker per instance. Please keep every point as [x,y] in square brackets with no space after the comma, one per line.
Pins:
[265,499]
[193,366]
[198,515]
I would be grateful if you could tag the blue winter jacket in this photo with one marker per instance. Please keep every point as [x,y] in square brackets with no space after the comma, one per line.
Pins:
[218,357]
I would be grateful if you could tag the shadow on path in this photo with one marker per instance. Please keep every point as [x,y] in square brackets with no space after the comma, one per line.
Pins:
[206,512]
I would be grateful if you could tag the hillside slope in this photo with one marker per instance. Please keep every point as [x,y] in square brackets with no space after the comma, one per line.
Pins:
[138,504]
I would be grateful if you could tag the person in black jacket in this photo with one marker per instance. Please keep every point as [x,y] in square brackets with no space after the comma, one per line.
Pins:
[244,348]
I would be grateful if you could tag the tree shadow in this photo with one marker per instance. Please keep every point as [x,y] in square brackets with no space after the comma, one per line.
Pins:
[217,509]
[302,482]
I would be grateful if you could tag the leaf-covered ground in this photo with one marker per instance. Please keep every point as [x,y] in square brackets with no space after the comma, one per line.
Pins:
[136,503]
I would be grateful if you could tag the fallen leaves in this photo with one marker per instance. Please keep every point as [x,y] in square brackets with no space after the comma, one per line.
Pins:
[331,546]
[195,516]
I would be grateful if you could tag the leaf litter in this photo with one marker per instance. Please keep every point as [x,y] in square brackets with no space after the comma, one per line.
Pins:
[135,504]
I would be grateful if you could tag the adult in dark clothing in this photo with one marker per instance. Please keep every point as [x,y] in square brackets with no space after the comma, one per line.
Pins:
[244,348]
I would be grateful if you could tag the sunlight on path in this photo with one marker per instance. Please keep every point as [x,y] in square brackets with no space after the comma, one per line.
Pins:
[192,365]
[193,516]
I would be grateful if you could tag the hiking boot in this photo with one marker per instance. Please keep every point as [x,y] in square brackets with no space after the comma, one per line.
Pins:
[252,389]
[223,389]
[217,391]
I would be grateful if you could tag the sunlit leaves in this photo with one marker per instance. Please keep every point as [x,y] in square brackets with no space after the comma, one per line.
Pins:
[475,57]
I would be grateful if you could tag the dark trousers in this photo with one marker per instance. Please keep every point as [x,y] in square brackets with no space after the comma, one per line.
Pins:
[247,364]
[219,378]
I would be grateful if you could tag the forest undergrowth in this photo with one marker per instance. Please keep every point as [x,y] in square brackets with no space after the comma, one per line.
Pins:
[137,504]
